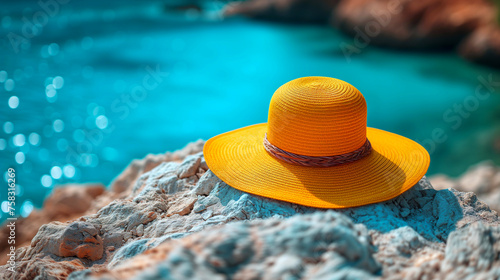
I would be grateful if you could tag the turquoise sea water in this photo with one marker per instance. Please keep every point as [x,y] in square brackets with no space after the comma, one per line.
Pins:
[79,101]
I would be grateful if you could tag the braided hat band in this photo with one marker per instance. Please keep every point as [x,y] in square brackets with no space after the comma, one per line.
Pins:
[314,161]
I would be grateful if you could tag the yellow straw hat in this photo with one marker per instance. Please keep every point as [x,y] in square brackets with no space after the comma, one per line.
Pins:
[316,150]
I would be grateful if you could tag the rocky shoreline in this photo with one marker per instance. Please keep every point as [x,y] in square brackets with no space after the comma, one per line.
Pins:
[169,217]
[469,26]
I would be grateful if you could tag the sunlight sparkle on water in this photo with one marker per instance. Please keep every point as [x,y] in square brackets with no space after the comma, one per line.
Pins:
[20,157]
[26,208]
[56,172]
[8,127]
[13,102]
[46,181]
[19,140]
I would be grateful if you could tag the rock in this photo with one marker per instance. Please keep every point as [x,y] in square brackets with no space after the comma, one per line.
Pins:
[134,170]
[284,251]
[81,240]
[139,167]
[72,199]
[206,183]
[65,203]
[482,46]
[442,182]
[100,213]
[170,184]
[161,225]
[140,230]
[424,24]
[483,179]
[402,24]
[184,206]
[203,164]
[128,251]
[333,246]
[189,166]
[479,178]
[492,199]
[78,239]
[476,247]
[447,210]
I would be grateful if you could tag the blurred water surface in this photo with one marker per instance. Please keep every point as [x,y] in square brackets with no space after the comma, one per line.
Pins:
[103,83]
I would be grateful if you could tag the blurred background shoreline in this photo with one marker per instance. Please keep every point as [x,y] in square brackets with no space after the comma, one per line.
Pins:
[102,83]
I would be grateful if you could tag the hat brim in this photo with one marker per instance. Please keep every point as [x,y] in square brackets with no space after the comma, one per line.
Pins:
[395,165]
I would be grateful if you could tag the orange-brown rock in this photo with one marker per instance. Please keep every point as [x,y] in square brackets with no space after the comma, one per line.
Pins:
[483,46]
[413,24]
[65,203]
[403,24]
[81,240]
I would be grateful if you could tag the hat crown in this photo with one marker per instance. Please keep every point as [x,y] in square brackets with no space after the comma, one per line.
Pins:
[317,116]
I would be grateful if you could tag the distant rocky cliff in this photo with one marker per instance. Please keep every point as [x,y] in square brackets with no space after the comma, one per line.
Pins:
[169,217]
[470,26]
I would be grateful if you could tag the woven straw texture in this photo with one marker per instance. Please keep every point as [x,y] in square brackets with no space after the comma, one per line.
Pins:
[317,116]
[317,126]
